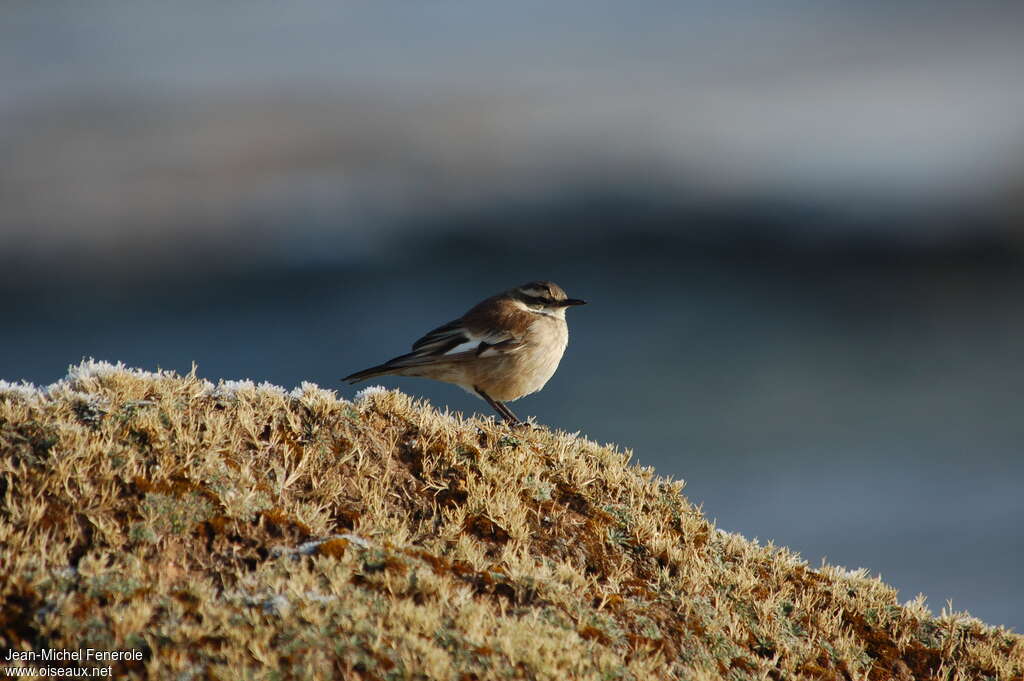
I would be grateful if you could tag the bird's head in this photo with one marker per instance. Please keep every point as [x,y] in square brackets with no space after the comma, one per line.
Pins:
[545,297]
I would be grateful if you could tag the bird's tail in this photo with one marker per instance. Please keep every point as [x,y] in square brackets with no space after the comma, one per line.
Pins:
[395,366]
[372,372]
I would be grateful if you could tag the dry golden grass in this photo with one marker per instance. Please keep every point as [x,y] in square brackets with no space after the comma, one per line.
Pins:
[241,532]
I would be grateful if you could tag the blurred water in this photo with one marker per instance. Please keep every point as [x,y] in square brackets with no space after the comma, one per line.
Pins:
[867,412]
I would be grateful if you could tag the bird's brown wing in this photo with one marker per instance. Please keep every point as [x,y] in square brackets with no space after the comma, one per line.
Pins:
[441,340]
[459,343]
[494,326]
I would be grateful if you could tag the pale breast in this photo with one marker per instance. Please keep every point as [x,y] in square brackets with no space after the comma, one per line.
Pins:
[527,371]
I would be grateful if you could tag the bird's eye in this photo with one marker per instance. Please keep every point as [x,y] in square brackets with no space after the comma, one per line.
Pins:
[536,302]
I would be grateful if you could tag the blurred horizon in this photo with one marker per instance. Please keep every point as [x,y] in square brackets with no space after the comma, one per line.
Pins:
[800,228]
[169,131]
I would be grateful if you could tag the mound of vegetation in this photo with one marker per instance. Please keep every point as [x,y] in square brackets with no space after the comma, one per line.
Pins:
[241,531]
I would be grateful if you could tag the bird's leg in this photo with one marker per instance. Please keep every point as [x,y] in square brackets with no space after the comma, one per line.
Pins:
[512,418]
[499,407]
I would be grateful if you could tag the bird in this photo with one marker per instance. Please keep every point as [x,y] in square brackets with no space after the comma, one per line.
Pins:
[503,348]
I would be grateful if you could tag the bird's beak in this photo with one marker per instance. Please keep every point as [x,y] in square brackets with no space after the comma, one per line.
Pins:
[569,302]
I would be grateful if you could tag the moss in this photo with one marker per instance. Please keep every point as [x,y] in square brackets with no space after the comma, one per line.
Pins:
[253,534]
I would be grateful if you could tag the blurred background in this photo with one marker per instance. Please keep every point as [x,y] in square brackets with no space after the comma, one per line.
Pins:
[799,226]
